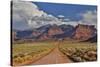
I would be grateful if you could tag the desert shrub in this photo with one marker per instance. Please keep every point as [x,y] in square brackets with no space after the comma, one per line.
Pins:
[22,53]
[80,52]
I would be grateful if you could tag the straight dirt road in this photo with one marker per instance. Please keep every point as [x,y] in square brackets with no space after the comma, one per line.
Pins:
[55,57]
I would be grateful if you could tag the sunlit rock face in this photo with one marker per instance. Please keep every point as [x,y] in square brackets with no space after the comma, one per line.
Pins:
[54,30]
[84,32]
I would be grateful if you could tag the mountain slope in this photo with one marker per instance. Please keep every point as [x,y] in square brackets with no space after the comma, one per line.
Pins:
[84,32]
[80,32]
[92,39]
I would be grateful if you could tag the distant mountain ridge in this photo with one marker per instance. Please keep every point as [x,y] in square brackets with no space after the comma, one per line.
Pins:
[79,32]
[84,32]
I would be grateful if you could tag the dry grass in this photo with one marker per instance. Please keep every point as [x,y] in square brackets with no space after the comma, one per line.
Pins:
[79,51]
[30,52]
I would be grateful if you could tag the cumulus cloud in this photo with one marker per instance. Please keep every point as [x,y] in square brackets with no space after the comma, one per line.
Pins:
[73,23]
[26,8]
[61,16]
[23,11]
[27,15]
[89,18]
[36,22]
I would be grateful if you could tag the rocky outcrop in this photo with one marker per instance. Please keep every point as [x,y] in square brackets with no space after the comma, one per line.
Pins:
[44,37]
[80,32]
[84,32]
[54,30]
[50,32]
[35,33]
[92,39]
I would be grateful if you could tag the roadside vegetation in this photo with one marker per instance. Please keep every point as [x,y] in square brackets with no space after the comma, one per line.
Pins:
[79,51]
[29,52]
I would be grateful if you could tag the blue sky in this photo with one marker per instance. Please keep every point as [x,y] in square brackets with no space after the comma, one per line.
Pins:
[70,11]
[25,11]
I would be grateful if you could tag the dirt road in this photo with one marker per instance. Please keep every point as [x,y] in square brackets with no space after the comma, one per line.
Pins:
[55,57]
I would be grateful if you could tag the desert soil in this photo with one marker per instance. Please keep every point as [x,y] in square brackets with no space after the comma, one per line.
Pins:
[55,57]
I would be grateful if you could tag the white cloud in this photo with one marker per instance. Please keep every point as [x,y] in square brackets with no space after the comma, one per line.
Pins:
[61,16]
[73,23]
[44,20]
[66,19]
[89,18]
[29,15]
[23,10]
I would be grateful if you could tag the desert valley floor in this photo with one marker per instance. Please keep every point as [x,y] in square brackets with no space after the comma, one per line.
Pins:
[53,52]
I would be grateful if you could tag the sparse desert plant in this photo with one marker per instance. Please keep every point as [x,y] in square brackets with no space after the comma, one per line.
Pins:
[18,60]
[23,53]
[79,52]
